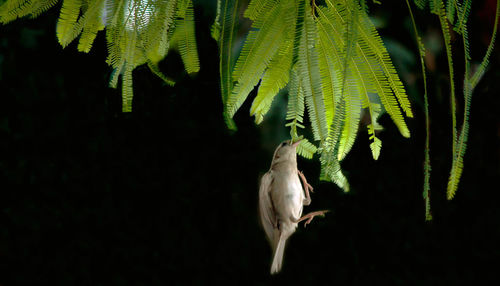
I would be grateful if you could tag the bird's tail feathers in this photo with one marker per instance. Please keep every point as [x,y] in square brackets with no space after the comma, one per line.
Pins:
[278,255]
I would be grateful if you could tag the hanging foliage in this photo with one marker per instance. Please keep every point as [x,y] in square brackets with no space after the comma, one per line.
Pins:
[334,64]
[454,14]
[327,54]
[137,32]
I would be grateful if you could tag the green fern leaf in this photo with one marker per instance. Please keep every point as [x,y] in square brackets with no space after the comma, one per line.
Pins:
[372,39]
[484,63]
[127,89]
[308,71]
[156,70]
[330,165]
[262,43]
[421,3]
[438,9]
[330,55]
[115,35]
[13,9]
[367,60]
[388,101]
[91,23]
[451,10]
[68,16]
[216,26]
[427,163]
[256,8]
[295,111]
[331,30]
[160,34]
[306,149]
[376,145]
[274,79]
[352,118]
[469,84]
[458,163]
[186,42]
[229,16]
[41,6]
[462,15]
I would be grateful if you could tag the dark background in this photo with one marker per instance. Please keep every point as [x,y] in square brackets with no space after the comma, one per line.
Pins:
[166,195]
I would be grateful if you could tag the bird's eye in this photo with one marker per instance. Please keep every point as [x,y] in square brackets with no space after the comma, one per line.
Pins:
[283,144]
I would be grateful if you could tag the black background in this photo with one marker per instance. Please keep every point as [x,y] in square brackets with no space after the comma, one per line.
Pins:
[166,195]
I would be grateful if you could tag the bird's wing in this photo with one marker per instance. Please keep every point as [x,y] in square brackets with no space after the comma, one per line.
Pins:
[266,208]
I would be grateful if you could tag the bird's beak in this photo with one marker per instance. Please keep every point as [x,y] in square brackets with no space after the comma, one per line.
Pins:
[295,144]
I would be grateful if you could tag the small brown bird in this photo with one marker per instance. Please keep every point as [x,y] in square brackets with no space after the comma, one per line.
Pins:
[281,199]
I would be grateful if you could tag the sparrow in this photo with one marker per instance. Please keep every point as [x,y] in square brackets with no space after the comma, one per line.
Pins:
[281,200]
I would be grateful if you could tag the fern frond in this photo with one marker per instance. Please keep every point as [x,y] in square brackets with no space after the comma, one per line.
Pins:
[462,15]
[308,70]
[216,26]
[439,10]
[115,75]
[421,3]
[278,71]
[186,43]
[156,70]
[331,171]
[127,89]
[372,39]
[182,8]
[229,15]
[367,61]
[275,78]
[330,56]
[160,34]
[330,30]
[138,31]
[352,118]
[458,159]
[484,63]
[295,110]
[14,9]
[469,85]
[376,145]
[427,162]
[261,45]
[451,10]
[461,145]
[306,149]
[68,16]
[41,6]
[91,23]
[115,35]
[351,88]
[138,15]
[256,8]
[373,44]
[330,165]
[386,97]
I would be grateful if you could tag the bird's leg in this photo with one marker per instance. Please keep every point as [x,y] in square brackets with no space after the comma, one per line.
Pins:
[310,216]
[307,187]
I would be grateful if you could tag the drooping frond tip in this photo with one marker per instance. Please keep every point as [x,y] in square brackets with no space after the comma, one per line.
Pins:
[470,82]
[306,149]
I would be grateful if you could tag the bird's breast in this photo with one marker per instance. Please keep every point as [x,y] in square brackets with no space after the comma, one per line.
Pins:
[287,196]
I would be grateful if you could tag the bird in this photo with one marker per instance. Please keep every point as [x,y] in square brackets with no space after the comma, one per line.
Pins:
[281,200]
